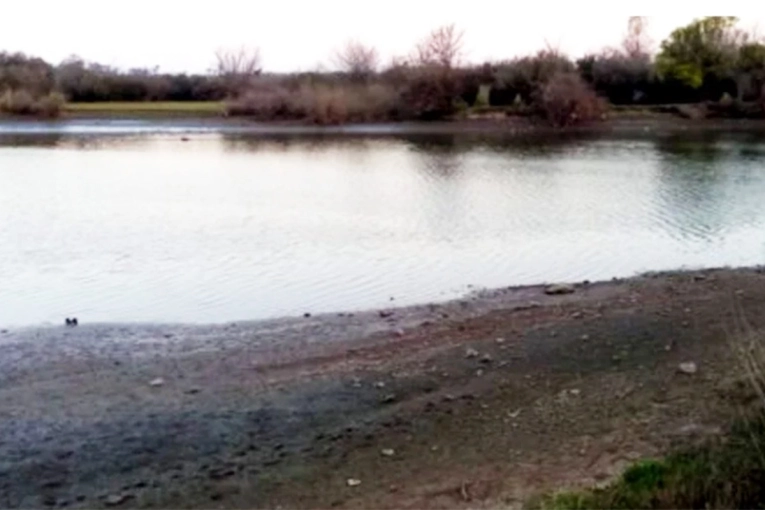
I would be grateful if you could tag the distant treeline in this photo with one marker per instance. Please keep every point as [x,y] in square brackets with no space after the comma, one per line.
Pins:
[709,60]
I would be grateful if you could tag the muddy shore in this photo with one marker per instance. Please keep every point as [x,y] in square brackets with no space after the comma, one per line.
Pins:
[478,402]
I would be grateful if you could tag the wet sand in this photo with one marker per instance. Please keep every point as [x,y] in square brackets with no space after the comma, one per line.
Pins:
[479,402]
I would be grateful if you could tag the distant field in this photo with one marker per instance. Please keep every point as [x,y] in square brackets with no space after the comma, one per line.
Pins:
[206,108]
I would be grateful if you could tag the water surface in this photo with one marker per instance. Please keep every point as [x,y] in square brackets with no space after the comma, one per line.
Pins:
[127,222]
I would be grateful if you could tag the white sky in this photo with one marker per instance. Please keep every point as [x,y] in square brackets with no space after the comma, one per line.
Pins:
[179,35]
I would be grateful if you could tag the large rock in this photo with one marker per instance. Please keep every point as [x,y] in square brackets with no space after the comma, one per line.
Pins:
[559,288]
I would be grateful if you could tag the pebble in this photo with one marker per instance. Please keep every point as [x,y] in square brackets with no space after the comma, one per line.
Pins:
[388,452]
[574,391]
[577,315]
[471,353]
[387,399]
[306,315]
[486,358]
[157,382]
[379,384]
[479,372]
[688,367]
[585,337]
[500,340]
[353,482]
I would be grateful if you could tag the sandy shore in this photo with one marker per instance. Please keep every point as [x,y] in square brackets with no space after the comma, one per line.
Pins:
[476,402]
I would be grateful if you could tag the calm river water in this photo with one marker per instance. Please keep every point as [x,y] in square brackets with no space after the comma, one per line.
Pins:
[121,221]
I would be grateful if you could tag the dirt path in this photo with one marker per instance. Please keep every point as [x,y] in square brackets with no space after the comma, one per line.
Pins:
[474,403]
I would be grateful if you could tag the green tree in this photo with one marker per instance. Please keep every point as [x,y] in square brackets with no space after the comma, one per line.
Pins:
[707,47]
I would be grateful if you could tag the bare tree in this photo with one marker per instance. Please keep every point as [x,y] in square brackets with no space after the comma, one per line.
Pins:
[237,68]
[358,60]
[637,43]
[442,47]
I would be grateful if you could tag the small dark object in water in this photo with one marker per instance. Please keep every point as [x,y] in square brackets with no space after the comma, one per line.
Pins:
[306,315]
[68,321]
[71,322]
[385,315]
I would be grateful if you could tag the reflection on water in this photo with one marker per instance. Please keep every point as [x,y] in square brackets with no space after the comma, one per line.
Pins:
[137,226]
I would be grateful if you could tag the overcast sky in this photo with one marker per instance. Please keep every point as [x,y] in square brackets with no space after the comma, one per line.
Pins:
[182,35]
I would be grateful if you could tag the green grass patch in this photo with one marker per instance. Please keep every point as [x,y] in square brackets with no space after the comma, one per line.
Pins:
[203,108]
[726,472]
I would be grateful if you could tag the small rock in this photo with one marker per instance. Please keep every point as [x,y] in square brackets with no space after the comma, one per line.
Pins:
[192,391]
[434,448]
[585,337]
[500,340]
[353,482]
[577,315]
[479,372]
[306,315]
[385,315]
[157,382]
[699,277]
[574,391]
[471,353]
[116,499]
[387,399]
[388,452]
[486,358]
[558,289]
[514,414]
[688,367]
[379,384]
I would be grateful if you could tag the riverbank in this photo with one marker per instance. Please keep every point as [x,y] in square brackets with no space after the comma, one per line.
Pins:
[480,402]
[192,117]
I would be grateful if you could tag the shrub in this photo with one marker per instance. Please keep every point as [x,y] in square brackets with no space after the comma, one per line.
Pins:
[50,105]
[566,100]
[320,104]
[21,102]
[523,77]
[621,78]
[428,93]
[17,102]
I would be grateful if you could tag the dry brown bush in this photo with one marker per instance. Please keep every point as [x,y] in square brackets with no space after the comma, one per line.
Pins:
[22,102]
[324,104]
[566,100]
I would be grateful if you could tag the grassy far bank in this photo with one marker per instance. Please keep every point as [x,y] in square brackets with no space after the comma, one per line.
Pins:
[159,108]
